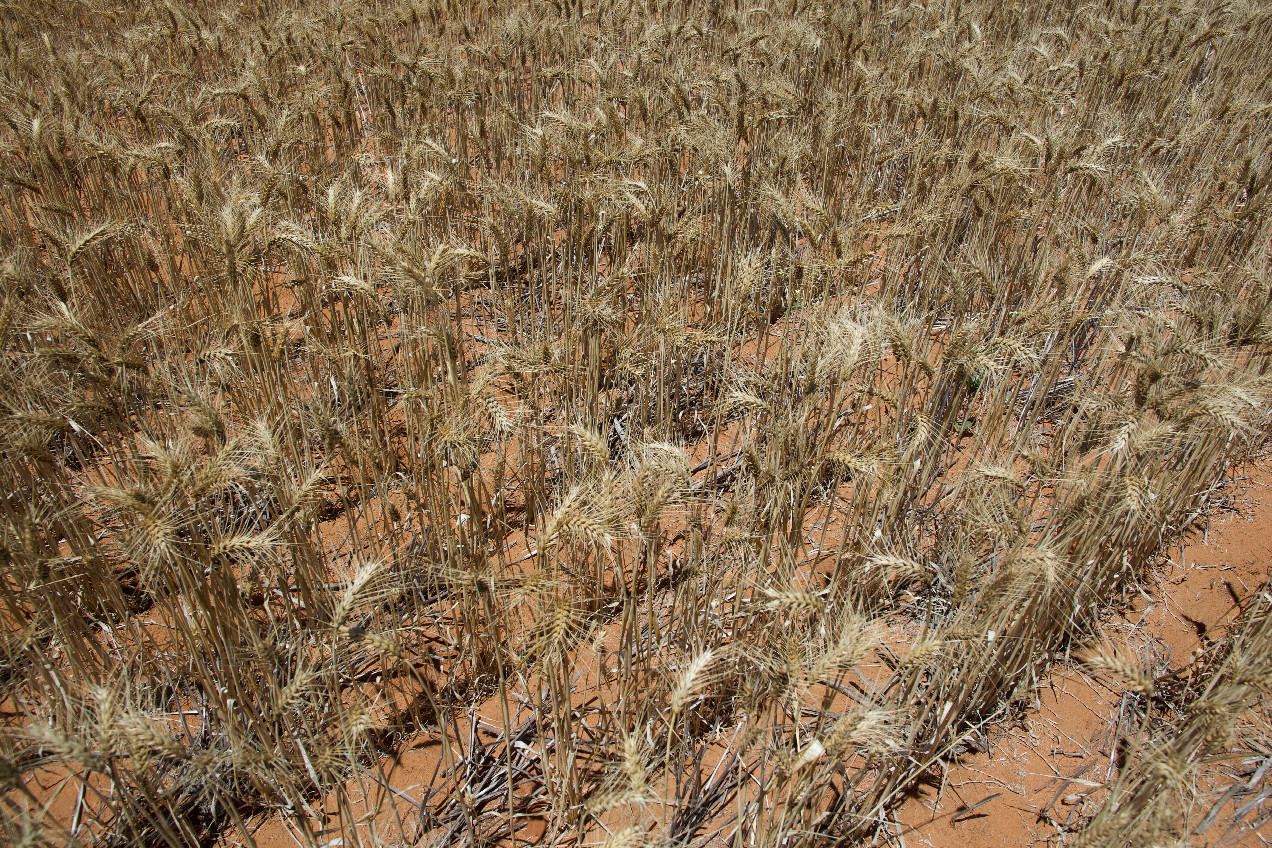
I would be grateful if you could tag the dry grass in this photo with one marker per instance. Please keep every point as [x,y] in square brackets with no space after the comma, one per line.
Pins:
[634,368]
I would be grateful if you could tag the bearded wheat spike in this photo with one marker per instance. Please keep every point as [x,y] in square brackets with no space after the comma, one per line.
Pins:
[264,439]
[154,540]
[68,747]
[600,524]
[691,677]
[505,423]
[629,837]
[1110,661]
[383,644]
[653,498]
[634,763]
[793,601]
[899,570]
[301,682]
[999,473]
[356,722]
[603,801]
[566,514]
[361,590]
[1038,566]
[1169,767]
[244,544]
[145,738]
[564,623]
[592,443]
[863,727]
[856,636]
[308,492]
[133,499]
[923,652]
[629,785]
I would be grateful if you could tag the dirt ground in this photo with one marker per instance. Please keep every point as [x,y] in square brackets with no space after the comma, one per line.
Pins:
[1046,771]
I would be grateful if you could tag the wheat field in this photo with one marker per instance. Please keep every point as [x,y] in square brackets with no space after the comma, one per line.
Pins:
[694,420]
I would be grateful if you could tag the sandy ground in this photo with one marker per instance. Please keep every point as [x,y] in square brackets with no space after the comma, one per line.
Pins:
[1031,779]
[1046,770]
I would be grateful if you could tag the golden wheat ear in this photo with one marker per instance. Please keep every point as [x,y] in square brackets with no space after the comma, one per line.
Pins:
[1111,661]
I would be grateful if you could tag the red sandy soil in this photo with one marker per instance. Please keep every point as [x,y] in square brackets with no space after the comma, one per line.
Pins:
[1034,777]
[1038,775]
[1046,771]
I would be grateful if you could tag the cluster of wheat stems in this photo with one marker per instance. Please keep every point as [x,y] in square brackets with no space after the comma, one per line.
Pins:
[742,403]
